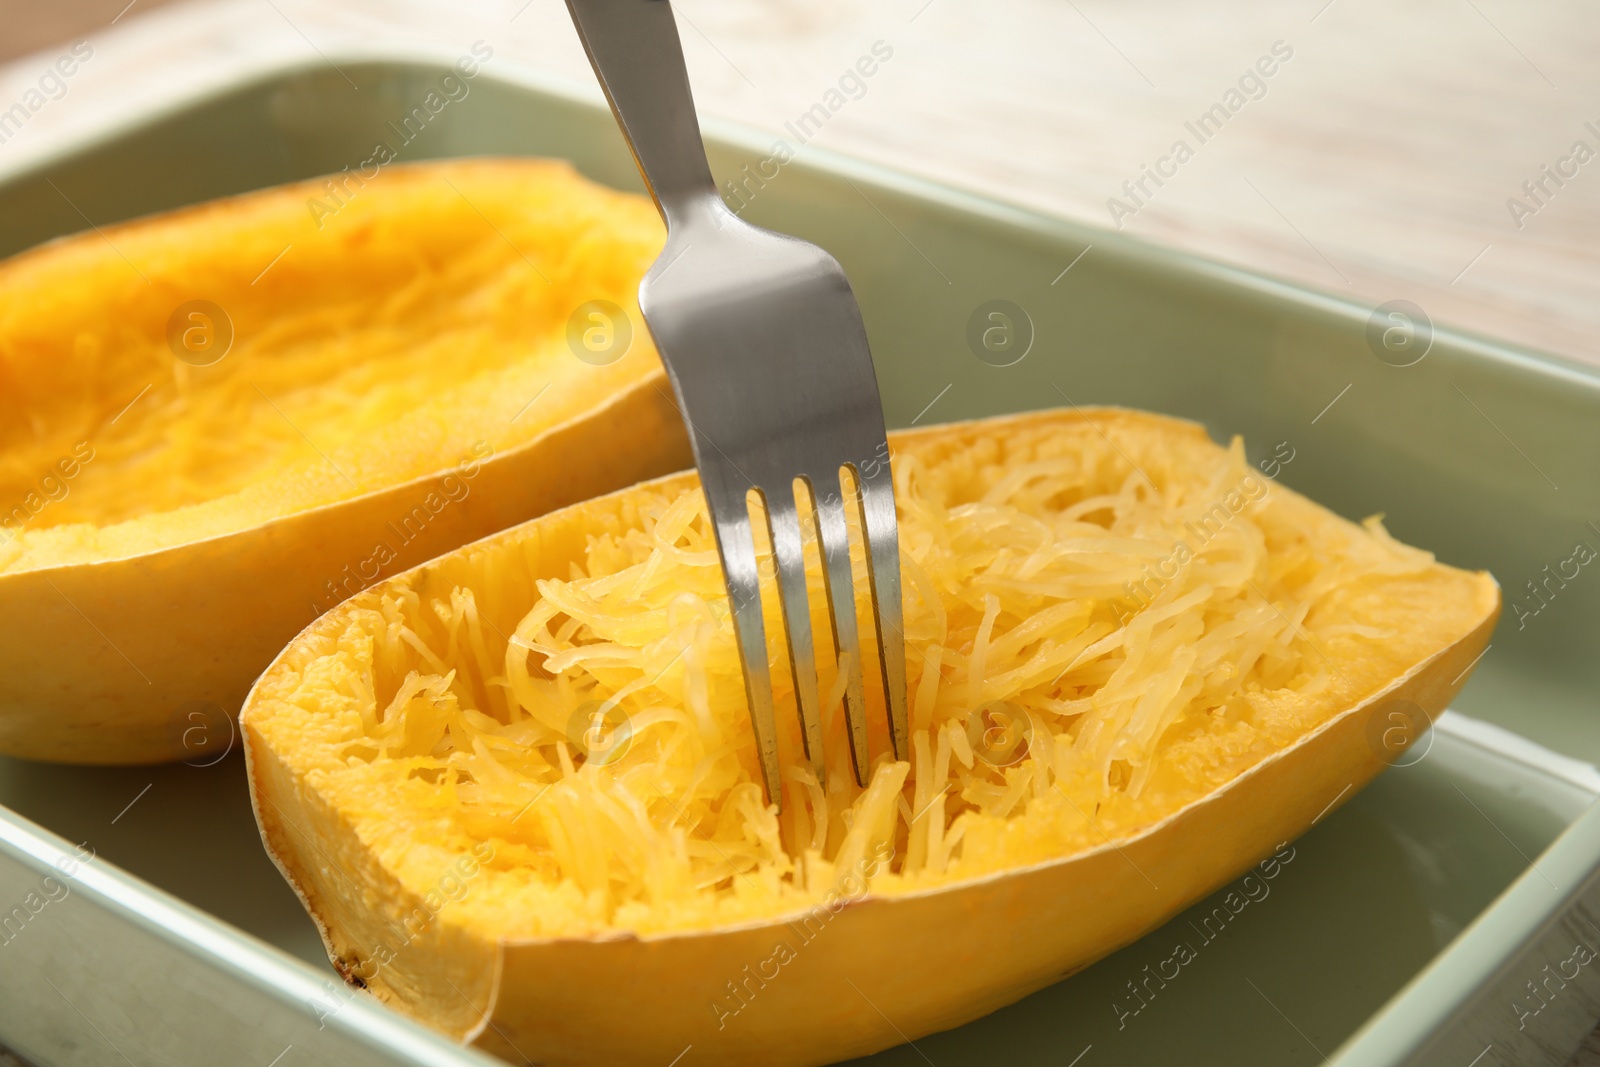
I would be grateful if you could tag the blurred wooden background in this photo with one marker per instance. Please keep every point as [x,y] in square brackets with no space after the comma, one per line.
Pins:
[1377,161]
[32,25]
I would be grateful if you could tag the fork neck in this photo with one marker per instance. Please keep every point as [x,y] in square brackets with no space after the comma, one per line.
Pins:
[634,48]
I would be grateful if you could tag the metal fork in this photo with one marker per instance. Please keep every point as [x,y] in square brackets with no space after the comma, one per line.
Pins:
[764,344]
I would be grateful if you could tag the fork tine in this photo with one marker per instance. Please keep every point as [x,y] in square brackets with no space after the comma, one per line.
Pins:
[783,523]
[840,584]
[875,498]
[738,551]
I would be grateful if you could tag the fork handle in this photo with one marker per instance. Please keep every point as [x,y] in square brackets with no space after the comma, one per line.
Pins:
[634,48]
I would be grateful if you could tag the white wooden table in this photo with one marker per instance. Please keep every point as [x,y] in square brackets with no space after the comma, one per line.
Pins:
[1379,159]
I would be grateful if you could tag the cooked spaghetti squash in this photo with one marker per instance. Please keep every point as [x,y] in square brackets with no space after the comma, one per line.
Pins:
[517,786]
[219,422]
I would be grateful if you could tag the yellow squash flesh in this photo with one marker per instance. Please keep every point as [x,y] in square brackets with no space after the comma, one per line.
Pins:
[478,863]
[217,423]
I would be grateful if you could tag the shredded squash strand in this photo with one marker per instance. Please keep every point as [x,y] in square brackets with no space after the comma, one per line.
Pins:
[1090,646]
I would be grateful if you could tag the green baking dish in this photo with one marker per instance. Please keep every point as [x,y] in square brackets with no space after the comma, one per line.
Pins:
[1441,916]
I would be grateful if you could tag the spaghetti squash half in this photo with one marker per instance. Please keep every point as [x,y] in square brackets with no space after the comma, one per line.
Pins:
[217,423]
[518,790]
